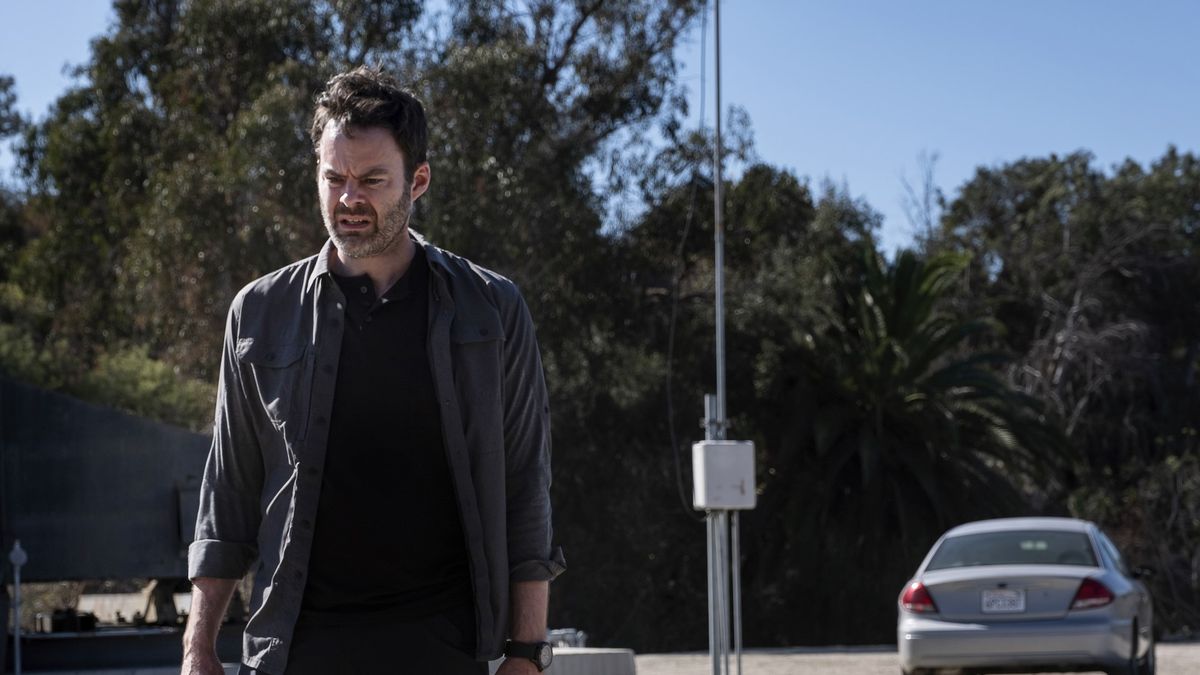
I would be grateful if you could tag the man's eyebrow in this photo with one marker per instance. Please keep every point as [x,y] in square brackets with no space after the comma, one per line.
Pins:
[374,171]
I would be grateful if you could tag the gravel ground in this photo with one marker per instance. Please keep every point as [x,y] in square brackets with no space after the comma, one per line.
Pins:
[1173,659]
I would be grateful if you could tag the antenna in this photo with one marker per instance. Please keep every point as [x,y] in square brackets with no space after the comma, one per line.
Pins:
[723,471]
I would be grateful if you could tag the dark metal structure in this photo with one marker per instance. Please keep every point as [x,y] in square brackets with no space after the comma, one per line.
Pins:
[93,493]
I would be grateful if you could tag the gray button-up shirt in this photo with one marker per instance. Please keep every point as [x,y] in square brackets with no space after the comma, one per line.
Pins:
[259,497]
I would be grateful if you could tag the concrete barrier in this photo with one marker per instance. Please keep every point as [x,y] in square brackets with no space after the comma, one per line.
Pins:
[588,661]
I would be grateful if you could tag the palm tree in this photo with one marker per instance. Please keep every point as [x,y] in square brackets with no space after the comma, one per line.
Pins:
[921,430]
[885,428]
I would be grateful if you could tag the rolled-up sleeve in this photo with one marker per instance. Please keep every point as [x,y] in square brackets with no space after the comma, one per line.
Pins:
[225,545]
[531,553]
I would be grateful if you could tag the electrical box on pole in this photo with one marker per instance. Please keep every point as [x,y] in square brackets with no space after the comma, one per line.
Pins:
[723,472]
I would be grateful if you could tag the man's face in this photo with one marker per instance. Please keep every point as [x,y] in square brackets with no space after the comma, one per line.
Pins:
[365,198]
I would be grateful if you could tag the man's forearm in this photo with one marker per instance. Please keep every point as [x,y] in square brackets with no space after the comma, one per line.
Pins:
[210,599]
[530,602]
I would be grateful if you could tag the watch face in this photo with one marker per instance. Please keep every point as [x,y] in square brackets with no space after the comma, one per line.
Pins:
[545,654]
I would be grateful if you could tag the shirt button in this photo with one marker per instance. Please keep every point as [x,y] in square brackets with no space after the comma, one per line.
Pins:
[362,289]
[339,305]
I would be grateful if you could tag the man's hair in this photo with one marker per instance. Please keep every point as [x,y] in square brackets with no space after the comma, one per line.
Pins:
[367,97]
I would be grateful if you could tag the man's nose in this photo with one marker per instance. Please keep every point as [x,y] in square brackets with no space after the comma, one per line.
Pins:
[351,194]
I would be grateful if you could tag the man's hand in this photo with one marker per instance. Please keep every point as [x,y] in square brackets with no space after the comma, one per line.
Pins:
[517,667]
[210,599]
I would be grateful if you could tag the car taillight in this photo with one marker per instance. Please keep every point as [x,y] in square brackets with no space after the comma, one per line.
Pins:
[916,599]
[1091,594]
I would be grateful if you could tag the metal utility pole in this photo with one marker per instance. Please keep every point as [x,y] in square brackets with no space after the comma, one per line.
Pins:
[719,234]
[723,471]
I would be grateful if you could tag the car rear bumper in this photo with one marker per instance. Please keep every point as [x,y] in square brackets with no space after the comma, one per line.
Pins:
[1100,641]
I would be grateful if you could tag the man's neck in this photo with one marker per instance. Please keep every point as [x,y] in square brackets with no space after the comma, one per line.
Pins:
[384,269]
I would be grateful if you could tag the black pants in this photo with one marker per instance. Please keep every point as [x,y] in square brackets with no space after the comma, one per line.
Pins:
[441,645]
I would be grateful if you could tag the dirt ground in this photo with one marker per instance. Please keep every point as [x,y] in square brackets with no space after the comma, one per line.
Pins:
[1173,659]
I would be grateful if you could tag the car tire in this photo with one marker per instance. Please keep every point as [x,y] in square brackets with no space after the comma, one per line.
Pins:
[917,671]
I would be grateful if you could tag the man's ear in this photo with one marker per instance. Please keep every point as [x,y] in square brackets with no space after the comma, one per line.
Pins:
[420,180]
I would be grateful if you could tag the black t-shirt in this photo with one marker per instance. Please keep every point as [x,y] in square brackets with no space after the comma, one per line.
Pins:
[386,469]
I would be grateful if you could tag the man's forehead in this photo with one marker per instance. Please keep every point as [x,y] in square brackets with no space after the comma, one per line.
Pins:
[344,141]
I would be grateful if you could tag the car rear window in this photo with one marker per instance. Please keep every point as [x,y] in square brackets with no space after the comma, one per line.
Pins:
[1014,548]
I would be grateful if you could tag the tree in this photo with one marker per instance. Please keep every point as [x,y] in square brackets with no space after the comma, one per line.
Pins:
[1092,273]
[923,203]
[880,429]
[1086,272]
[10,119]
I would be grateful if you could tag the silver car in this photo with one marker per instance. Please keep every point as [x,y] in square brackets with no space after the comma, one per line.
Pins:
[1026,595]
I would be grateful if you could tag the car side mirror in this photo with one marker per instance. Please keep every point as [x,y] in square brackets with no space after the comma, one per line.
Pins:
[1143,572]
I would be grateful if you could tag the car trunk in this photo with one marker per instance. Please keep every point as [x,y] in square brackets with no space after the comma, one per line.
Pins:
[996,593]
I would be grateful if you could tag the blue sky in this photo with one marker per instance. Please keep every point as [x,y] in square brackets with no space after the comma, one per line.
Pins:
[855,90]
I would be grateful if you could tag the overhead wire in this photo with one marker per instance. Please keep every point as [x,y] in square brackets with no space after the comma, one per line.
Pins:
[680,267]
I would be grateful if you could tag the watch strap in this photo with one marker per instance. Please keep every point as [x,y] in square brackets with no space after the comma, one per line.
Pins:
[528,650]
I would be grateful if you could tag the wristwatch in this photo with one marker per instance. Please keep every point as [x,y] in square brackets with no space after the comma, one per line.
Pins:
[541,653]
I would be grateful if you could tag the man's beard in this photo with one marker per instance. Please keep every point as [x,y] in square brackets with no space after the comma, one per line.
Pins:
[385,230]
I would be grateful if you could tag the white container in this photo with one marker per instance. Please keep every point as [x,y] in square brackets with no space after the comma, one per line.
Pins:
[723,475]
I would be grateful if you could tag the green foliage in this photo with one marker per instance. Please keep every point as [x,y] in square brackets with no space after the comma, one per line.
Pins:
[10,119]
[12,232]
[1088,273]
[1093,274]
[129,380]
[23,358]
[921,424]
[132,381]
[180,169]
[878,429]
[1156,521]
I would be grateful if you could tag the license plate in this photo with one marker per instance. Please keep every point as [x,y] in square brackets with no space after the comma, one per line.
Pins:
[1003,602]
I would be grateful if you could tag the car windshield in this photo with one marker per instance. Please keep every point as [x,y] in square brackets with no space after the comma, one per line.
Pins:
[1014,548]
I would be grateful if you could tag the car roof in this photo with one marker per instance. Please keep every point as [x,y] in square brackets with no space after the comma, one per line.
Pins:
[1017,524]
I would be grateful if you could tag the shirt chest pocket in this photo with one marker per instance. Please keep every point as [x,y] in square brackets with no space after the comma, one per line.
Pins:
[477,348]
[282,374]
[476,341]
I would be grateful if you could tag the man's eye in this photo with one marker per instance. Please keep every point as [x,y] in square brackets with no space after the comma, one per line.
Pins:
[333,180]
[374,181]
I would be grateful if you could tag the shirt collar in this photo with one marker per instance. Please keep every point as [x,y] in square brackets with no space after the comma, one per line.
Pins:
[321,267]
[433,256]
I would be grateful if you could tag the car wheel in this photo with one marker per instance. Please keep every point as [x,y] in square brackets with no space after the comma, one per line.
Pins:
[917,671]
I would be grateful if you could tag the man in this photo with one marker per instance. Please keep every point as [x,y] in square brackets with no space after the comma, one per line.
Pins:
[381,445]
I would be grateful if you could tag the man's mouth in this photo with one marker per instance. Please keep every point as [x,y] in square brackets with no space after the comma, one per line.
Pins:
[354,222]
